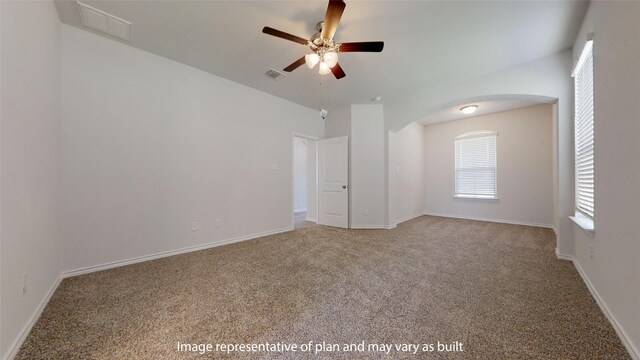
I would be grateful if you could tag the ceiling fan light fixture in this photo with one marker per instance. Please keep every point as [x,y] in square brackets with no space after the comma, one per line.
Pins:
[324,68]
[311,59]
[469,109]
[331,58]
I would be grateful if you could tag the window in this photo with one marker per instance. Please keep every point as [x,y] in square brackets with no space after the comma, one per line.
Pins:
[584,133]
[476,165]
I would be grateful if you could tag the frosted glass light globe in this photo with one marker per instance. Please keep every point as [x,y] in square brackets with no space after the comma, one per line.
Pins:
[324,68]
[331,58]
[311,59]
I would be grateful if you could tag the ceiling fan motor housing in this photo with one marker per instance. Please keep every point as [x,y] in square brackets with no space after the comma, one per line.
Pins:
[316,39]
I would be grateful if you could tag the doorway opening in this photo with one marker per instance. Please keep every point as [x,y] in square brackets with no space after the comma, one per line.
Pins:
[305,208]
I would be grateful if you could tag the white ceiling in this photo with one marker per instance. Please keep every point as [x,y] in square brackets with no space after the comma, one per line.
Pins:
[485,106]
[427,43]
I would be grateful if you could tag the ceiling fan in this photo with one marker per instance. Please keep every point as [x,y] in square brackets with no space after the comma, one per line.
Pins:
[323,49]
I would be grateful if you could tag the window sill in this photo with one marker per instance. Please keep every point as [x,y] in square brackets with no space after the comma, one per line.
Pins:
[476,197]
[584,223]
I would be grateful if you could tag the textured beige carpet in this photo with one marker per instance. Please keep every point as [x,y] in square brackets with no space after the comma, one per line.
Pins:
[496,288]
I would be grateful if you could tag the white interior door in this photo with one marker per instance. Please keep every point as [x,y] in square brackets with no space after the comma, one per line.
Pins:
[333,176]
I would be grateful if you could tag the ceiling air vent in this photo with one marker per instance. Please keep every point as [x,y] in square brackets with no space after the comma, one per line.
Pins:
[273,74]
[103,22]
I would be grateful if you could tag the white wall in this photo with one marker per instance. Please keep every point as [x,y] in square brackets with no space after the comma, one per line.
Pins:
[151,145]
[407,167]
[299,174]
[338,122]
[29,128]
[312,180]
[614,270]
[367,155]
[524,155]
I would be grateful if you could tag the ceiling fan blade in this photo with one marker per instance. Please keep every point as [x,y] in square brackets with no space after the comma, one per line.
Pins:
[295,65]
[284,35]
[338,72]
[332,18]
[367,46]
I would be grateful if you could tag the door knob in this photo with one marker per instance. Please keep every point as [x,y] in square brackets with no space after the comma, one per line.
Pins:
[344,186]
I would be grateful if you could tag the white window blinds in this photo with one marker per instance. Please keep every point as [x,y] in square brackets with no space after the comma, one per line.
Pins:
[476,165]
[584,134]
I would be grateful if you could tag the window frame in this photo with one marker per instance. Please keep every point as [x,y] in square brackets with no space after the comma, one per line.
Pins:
[582,218]
[475,134]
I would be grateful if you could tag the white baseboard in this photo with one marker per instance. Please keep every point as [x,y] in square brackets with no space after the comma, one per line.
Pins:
[15,347]
[502,221]
[363,227]
[312,219]
[624,338]
[17,343]
[406,218]
[563,256]
[114,264]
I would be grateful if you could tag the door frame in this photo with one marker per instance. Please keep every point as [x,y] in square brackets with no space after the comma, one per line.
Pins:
[295,135]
